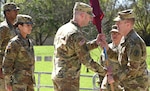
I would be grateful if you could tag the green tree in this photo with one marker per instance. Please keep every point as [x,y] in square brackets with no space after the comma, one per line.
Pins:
[43,19]
[142,25]
[49,15]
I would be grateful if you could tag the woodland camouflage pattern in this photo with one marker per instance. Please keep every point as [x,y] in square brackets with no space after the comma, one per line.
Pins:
[7,32]
[125,14]
[72,50]
[133,74]
[25,19]
[10,6]
[18,64]
[79,6]
[115,69]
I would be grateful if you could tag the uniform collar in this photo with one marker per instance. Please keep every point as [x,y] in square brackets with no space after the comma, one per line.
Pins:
[75,23]
[9,25]
[129,34]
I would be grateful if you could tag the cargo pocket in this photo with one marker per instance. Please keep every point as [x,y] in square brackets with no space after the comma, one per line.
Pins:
[19,87]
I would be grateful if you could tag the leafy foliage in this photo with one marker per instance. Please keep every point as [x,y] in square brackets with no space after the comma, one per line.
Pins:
[49,15]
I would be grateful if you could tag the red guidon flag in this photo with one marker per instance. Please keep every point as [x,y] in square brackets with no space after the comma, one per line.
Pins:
[98,14]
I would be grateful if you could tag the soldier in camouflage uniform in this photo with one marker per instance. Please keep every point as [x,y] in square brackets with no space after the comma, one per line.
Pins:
[18,61]
[115,37]
[133,74]
[7,31]
[72,50]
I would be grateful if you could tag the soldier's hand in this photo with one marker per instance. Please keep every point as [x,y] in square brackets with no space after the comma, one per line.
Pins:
[110,79]
[110,75]
[9,88]
[109,70]
[101,40]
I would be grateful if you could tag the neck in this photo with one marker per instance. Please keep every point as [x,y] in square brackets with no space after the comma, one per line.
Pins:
[128,31]
[11,21]
[23,35]
[77,19]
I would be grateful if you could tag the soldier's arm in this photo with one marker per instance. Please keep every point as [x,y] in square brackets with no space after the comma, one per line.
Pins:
[136,56]
[3,39]
[8,61]
[84,55]
[112,55]
[91,44]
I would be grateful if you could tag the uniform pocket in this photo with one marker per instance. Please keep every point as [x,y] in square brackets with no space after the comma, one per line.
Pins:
[19,87]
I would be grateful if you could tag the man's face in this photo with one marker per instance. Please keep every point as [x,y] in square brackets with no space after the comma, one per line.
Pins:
[12,14]
[116,37]
[87,19]
[122,25]
[25,29]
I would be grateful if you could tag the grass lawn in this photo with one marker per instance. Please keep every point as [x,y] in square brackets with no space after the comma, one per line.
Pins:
[46,66]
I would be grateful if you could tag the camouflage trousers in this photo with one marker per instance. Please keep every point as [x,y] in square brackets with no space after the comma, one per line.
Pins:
[66,84]
[136,84]
[107,86]
[2,85]
[22,87]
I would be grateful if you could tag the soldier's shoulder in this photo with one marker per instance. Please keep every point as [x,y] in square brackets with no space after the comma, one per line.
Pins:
[14,40]
[13,43]
[68,27]
[134,38]
[4,26]
[67,30]
[4,30]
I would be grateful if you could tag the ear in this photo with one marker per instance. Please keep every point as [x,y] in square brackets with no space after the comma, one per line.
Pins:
[19,26]
[7,13]
[129,24]
[82,15]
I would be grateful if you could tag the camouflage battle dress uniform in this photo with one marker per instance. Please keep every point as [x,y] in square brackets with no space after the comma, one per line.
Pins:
[18,64]
[133,74]
[113,64]
[71,49]
[7,31]
[115,68]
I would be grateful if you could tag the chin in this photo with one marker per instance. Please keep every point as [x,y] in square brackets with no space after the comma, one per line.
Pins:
[29,32]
